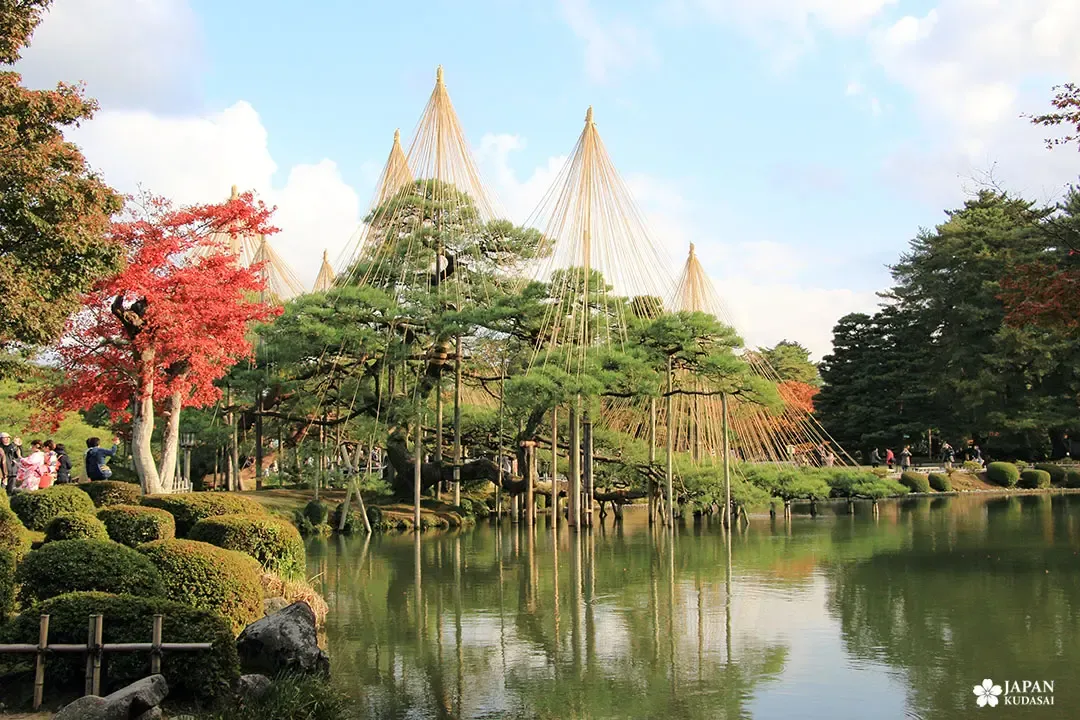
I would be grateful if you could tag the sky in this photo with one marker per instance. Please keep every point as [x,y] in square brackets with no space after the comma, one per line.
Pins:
[800,144]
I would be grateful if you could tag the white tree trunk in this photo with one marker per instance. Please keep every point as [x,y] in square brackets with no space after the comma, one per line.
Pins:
[142,430]
[170,445]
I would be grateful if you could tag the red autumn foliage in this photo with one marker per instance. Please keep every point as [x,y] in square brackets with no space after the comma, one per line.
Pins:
[173,319]
[1042,294]
[797,395]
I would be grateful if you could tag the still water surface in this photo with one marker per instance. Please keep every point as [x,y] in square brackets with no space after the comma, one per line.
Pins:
[832,617]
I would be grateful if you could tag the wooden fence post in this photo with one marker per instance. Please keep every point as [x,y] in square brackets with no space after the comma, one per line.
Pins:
[155,653]
[96,623]
[39,661]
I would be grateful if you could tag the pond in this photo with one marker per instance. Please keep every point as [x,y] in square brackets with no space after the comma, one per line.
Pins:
[897,615]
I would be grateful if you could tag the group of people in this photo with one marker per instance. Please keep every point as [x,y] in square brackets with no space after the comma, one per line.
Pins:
[47,463]
[948,456]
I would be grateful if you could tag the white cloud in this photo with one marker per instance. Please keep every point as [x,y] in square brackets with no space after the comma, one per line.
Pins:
[517,198]
[973,67]
[130,53]
[198,158]
[853,88]
[610,46]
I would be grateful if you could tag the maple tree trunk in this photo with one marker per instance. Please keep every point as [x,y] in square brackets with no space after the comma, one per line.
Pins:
[142,428]
[171,443]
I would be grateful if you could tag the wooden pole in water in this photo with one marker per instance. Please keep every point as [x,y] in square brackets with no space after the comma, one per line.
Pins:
[574,496]
[727,463]
[669,480]
[530,478]
[554,469]
[418,459]
[587,448]
[652,459]
[457,423]
[438,433]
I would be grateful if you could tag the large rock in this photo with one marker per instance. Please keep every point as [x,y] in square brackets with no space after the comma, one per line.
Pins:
[137,701]
[284,641]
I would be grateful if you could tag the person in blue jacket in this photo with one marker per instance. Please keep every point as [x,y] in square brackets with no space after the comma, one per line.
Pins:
[97,467]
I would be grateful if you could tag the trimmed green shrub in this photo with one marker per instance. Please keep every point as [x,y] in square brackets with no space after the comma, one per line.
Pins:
[189,508]
[916,482]
[7,584]
[940,482]
[75,526]
[110,492]
[1033,479]
[849,483]
[480,509]
[74,565]
[274,542]
[13,536]
[1004,474]
[4,502]
[133,525]
[208,577]
[465,507]
[316,512]
[1072,478]
[37,508]
[205,675]
[1057,472]
[972,466]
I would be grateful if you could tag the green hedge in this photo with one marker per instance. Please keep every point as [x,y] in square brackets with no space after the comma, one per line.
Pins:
[916,482]
[37,508]
[1032,479]
[274,542]
[133,525]
[7,584]
[1072,478]
[208,676]
[4,502]
[316,512]
[110,492]
[67,566]
[354,523]
[13,536]
[940,482]
[189,508]
[850,483]
[1057,472]
[210,578]
[75,526]
[293,696]
[1004,474]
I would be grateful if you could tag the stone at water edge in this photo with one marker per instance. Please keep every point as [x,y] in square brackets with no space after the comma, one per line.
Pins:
[284,641]
[253,686]
[134,702]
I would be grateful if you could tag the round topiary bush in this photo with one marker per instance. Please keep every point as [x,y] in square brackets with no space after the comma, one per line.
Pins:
[275,543]
[316,512]
[1004,474]
[940,482]
[465,507]
[916,482]
[37,508]
[75,526]
[205,675]
[133,525]
[1033,479]
[7,584]
[189,508]
[74,565]
[480,509]
[13,536]
[111,492]
[354,523]
[1072,478]
[208,577]
[1057,472]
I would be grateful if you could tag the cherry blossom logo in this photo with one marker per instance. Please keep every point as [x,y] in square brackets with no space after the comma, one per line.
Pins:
[987,693]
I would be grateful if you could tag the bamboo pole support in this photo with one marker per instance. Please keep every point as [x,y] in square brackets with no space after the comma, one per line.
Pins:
[554,469]
[652,459]
[574,496]
[418,459]
[669,481]
[39,661]
[155,640]
[438,432]
[727,463]
[457,422]
[587,448]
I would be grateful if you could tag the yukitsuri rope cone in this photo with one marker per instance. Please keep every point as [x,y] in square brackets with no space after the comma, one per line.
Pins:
[325,279]
[281,282]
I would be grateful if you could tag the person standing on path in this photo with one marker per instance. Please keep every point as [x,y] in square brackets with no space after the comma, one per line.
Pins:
[905,458]
[875,457]
[890,458]
[97,467]
[9,460]
[63,465]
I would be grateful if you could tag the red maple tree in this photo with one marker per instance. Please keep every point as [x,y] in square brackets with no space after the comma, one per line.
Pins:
[168,325]
[797,394]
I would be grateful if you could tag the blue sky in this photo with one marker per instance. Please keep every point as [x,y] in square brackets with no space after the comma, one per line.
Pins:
[799,143]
